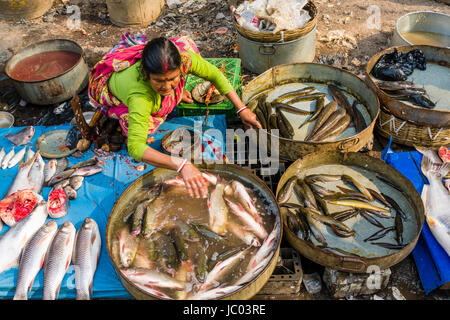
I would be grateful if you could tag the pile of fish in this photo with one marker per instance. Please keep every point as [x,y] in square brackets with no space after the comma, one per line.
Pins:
[170,260]
[12,158]
[393,70]
[436,195]
[330,119]
[65,181]
[362,201]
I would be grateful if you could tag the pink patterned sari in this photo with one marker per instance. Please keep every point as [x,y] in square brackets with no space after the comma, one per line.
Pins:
[122,56]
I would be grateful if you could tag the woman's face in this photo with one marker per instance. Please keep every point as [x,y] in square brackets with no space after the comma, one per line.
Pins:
[165,83]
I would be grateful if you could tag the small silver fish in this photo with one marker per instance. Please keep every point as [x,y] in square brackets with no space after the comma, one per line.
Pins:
[76,182]
[2,154]
[58,260]
[87,171]
[17,158]
[50,170]
[70,192]
[8,157]
[61,185]
[29,155]
[62,165]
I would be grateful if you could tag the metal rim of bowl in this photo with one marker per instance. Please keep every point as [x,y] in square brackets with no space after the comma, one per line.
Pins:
[10,116]
[40,43]
[416,13]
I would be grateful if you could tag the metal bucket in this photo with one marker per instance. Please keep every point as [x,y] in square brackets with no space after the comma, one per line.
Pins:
[364,167]
[25,9]
[321,75]
[134,12]
[260,56]
[426,21]
[59,88]
[119,211]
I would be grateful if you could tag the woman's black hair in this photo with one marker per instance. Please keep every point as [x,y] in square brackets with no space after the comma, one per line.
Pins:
[159,56]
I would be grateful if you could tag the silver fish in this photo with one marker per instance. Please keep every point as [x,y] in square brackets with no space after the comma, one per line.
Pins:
[266,248]
[90,162]
[70,192]
[85,257]
[50,169]
[2,154]
[61,185]
[87,171]
[128,246]
[8,157]
[29,155]
[246,218]
[33,257]
[17,158]
[246,236]
[66,174]
[253,272]
[23,179]
[37,173]
[62,165]
[58,260]
[241,194]
[76,182]
[23,136]
[222,268]
[14,240]
[210,178]
[218,212]
[153,278]
[215,293]
[151,290]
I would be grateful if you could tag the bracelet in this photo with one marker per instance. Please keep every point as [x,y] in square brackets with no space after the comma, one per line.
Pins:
[182,165]
[242,109]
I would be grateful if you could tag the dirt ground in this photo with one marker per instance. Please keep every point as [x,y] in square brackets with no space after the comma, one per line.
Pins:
[367,25]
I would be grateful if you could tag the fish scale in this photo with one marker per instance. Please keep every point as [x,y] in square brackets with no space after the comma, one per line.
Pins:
[85,257]
[58,260]
[32,258]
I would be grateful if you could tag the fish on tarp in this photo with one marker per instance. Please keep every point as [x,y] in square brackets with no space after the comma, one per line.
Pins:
[14,239]
[29,155]
[23,136]
[18,205]
[437,202]
[241,233]
[17,158]
[58,260]
[50,169]
[62,165]
[248,220]
[87,171]
[62,184]
[70,192]
[32,258]
[8,157]
[152,278]
[222,268]
[37,173]
[23,178]
[58,203]
[242,195]
[76,182]
[87,163]
[2,155]
[66,174]
[85,257]
[218,211]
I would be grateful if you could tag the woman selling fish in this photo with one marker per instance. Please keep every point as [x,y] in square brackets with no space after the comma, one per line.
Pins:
[140,83]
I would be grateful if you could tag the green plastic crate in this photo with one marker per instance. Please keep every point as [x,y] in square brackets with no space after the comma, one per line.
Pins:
[233,74]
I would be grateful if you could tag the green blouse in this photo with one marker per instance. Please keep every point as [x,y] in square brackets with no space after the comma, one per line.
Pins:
[136,93]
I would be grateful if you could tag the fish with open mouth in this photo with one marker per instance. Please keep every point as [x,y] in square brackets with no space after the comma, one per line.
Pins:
[23,136]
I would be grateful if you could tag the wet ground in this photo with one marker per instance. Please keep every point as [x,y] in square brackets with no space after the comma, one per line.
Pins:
[362,28]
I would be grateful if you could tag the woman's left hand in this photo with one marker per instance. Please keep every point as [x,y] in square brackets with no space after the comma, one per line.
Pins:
[187,96]
[249,119]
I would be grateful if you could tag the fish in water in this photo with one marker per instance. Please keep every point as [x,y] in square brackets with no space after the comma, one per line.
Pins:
[241,194]
[246,236]
[218,211]
[18,205]
[23,136]
[267,247]
[50,169]
[58,203]
[85,257]
[14,240]
[214,293]
[128,246]
[8,157]
[17,158]
[152,278]
[32,258]
[246,218]
[58,260]
[437,202]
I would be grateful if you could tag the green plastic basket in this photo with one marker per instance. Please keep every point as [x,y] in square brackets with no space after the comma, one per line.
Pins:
[233,74]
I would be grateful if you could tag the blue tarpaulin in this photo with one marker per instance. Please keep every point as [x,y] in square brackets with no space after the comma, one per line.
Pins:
[95,199]
[433,263]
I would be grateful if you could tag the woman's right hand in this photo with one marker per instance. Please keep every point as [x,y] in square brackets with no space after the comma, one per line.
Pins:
[194,181]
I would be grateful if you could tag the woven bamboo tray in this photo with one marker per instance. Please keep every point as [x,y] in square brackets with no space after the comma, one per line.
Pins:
[282,36]
[410,134]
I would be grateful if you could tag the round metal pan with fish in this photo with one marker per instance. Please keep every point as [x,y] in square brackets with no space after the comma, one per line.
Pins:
[435,79]
[287,78]
[122,208]
[353,253]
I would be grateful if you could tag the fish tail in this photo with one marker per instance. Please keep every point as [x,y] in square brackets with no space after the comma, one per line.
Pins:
[431,169]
